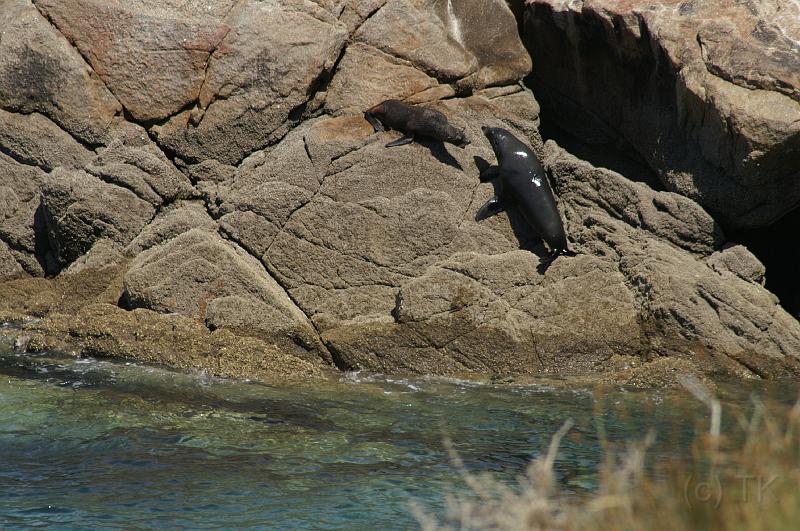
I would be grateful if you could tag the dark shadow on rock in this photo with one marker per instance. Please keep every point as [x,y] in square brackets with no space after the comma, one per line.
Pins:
[437,149]
[544,264]
[610,152]
[777,248]
[481,163]
[43,251]
[527,238]
[549,259]
[125,302]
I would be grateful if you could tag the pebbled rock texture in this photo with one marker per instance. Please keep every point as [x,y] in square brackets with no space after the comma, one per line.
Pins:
[706,92]
[9,267]
[106,330]
[41,73]
[205,192]
[202,276]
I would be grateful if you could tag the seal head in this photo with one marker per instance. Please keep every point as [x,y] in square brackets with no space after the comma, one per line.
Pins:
[499,138]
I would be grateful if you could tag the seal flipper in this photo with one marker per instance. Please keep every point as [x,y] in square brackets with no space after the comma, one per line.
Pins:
[407,139]
[377,126]
[490,208]
[489,174]
[558,251]
[545,263]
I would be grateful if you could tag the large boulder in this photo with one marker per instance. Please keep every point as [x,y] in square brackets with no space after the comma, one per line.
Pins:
[497,314]
[469,43]
[267,67]
[40,72]
[80,209]
[707,93]
[218,78]
[152,55]
[486,30]
[367,76]
[406,29]
[223,79]
[423,51]
[685,298]
[202,276]
[21,224]
[379,247]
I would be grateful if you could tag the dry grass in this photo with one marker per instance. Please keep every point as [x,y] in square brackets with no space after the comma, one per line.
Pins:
[751,484]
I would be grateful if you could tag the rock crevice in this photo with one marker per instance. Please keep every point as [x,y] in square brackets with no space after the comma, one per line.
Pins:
[660,75]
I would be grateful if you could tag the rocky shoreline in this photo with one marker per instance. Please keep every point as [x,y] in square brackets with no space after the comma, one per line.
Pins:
[198,188]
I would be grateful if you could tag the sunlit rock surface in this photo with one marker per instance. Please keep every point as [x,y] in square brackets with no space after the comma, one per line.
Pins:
[203,171]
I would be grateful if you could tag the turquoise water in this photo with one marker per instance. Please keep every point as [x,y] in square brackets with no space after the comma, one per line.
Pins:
[88,443]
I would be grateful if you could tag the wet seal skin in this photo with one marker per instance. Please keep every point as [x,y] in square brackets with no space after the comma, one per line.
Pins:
[522,182]
[412,121]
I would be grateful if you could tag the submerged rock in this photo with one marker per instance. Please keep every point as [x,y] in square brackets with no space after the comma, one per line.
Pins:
[174,340]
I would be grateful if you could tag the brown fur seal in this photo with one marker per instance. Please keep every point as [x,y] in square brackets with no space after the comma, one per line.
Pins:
[411,121]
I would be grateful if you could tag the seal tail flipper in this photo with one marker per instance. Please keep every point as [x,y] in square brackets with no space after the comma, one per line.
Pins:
[488,174]
[376,125]
[546,262]
[490,208]
[561,252]
[407,139]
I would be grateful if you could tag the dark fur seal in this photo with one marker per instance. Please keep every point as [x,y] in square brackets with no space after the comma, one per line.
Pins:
[411,121]
[522,182]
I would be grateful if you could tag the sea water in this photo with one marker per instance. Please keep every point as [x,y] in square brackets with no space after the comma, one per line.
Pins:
[87,443]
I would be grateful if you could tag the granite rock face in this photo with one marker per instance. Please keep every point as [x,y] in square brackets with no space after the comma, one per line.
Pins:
[106,330]
[206,175]
[34,140]
[41,73]
[681,290]
[21,221]
[219,78]
[199,275]
[9,267]
[706,92]
[80,209]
